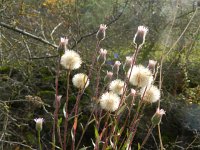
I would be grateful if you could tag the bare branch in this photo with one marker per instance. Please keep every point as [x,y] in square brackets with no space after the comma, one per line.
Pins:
[15,29]
[108,24]
[55,30]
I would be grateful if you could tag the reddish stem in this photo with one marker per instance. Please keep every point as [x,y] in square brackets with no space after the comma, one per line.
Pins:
[56,109]
[66,110]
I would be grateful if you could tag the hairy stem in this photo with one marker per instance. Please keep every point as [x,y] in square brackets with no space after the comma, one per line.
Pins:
[55,125]
[66,110]
[147,136]
[39,142]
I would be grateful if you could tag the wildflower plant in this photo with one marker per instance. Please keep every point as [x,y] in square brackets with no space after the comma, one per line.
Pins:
[38,126]
[109,97]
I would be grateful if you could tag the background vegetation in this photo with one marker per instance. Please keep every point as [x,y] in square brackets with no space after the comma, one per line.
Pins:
[30,32]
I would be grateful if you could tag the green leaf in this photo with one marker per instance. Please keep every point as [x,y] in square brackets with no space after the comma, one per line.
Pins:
[96,133]
[72,134]
[59,121]
[121,109]
[139,147]
[85,148]
[64,112]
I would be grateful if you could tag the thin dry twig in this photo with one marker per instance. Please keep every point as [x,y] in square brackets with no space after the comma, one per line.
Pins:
[19,143]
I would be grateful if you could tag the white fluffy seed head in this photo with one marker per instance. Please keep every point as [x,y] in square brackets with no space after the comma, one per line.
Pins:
[109,101]
[79,81]
[140,76]
[71,60]
[150,94]
[116,86]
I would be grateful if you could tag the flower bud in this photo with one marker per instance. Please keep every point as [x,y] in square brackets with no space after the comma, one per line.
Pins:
[133,95]
[128,63]
[39,122]
[157,117]
[58,98]
[102,56]
[152,65]
[108,76]
[116,67]
[133,92]
[101,32]
[63,45]
[139,38]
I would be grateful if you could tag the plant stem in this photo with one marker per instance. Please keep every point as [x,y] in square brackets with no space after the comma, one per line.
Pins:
[135,122]
[127,79]
[89,75]
[55,125]
[76,117]
[103,131]
[66,110]
[84,130]
[160,138]
[40,146]
[147,136]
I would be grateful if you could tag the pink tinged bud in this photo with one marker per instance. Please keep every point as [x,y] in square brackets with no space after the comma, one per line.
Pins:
[128,63]
[102,55]
[117,64]
[108,76]
[103,52]
[129,60]
[157,117]
[116,67]
[133,92]
[139,38]
[39,122]
[101,32]
[63,45]
[64,40]
[58,98]
[152,63]
[160,111]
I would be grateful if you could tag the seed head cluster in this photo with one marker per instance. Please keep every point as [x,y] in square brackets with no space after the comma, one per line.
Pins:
[71,60]
[150,94]
[140,76]
[116,86]
[80,81]
[109,101]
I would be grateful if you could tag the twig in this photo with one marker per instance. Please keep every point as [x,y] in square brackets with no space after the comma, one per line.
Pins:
[55,30]
[12,142]
[162,59]
[147,136]
[180,35]
[23,32]
[154,140]
[189,146]
[160,81]
[108,24]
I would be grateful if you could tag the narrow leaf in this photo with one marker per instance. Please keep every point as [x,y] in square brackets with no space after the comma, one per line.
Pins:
[121,109]
[64,112]
[139,147]
[96,133]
